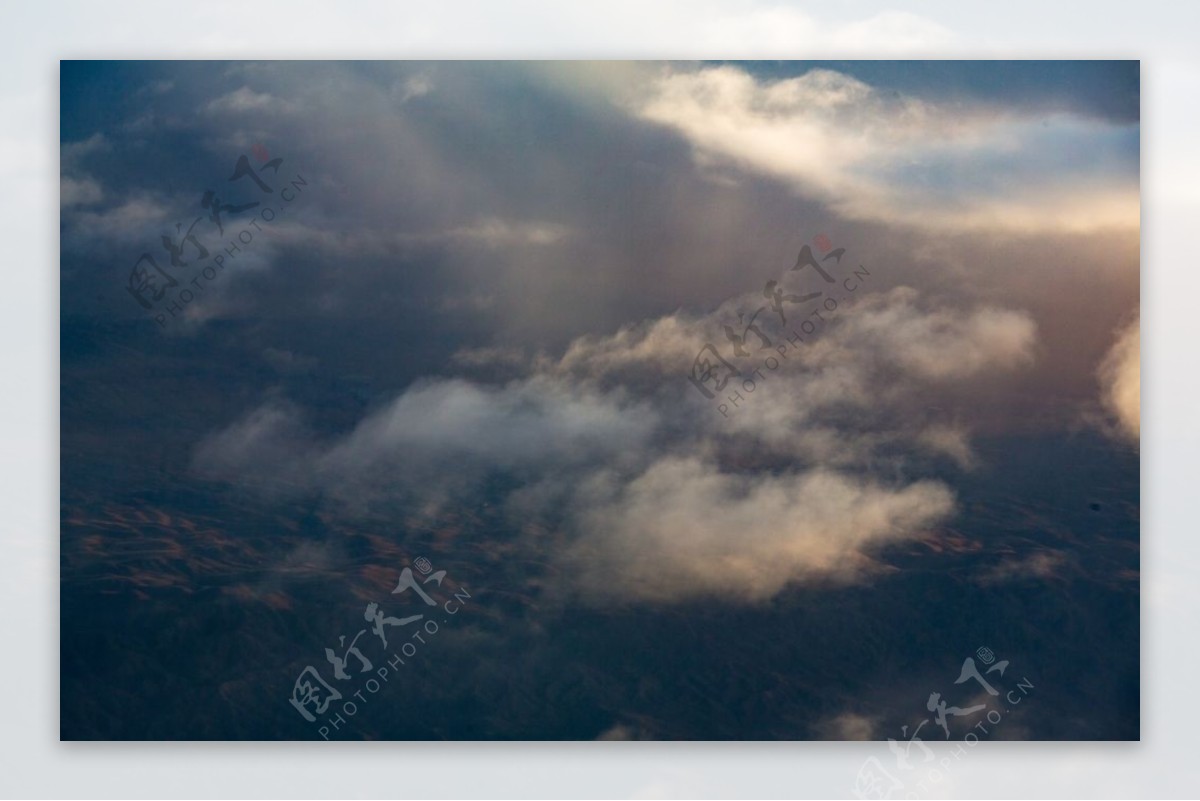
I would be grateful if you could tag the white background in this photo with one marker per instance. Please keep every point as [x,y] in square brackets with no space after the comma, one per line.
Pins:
[33,762]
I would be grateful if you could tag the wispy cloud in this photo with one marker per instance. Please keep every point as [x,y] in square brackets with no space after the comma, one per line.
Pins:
[246,99]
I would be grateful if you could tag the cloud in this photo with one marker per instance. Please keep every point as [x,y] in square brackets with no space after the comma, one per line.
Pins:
[474,334]
[492,364]
[684,529]
[623,732]
[877,155]
[639,527]
[939,344]
[656,347]
[951,441]
[535,421]
[599,437]
[495,225]
[1042,566]
[656,499]
[847,726]
[79,192]
[76,187]
[437,442]
[898,326]
[137,220]
[412,87]
[865,381]
[270,447]
[496,232]
[489,233]
[1120,377]
[73,153]
[246,99]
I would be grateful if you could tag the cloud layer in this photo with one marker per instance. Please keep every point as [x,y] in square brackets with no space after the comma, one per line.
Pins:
[885,156]
[542,333]
[652,494]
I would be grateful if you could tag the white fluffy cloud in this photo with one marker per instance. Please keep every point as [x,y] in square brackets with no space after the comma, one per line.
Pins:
[436,441]
[651,498]
[1121,381]
[936,344]
[685,529]
[879,360]
[883,156]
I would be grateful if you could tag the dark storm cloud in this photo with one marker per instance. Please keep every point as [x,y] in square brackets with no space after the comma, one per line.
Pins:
[536,196]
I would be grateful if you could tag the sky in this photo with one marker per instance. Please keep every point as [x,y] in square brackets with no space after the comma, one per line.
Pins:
[460,311]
